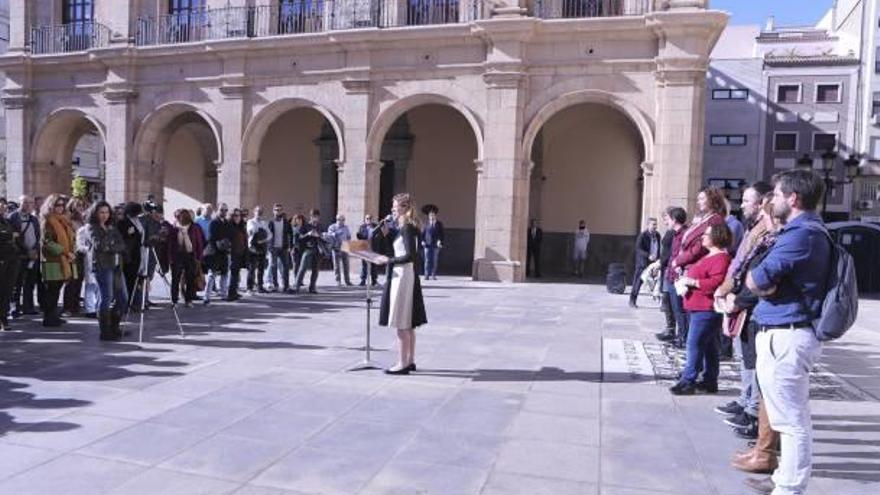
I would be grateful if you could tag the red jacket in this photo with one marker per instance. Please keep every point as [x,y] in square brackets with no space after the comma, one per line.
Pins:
[692,243]
[196,238]
[709,272]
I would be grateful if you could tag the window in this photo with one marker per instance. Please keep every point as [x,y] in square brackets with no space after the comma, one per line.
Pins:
[730,94]
[785,141]
[875,104]
[788,93]
[4,32]
[183,7]
[824,141]
[420,12]
[582,8]
[77,11]
[728,140]
[300,16]
[828,93]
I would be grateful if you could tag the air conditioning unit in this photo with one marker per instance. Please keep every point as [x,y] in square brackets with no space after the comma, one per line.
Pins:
[865,204]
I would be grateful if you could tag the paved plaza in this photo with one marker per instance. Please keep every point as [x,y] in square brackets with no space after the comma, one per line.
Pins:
[511,397]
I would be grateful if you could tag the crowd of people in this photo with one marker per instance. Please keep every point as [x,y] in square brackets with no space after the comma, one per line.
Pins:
[756,284]
[61,256]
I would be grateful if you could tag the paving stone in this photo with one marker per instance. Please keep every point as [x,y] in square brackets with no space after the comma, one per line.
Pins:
[71,475]
[549,460]
[144,443]
[157,481]
[406,477]
[227,457]
[324,472]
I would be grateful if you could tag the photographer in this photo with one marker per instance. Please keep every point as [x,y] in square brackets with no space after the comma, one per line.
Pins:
[217,252]
[311,244]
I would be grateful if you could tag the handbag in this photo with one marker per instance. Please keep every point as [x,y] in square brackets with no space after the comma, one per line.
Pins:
[200,278]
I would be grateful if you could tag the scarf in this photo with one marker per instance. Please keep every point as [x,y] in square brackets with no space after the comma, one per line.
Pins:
[62,231]
[183,239]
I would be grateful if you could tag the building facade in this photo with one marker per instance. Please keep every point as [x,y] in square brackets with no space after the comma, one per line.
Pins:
[4,45]
[495,112]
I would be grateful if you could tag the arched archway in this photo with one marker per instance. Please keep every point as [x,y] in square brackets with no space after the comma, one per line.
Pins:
[69,143]
[177,150]
[429,146]
[300,141]
[586,159]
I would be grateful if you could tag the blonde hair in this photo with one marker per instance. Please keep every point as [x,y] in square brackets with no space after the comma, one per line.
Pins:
[406,209]
[48,206]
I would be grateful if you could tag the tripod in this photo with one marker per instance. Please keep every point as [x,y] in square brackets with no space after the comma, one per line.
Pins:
[142,283]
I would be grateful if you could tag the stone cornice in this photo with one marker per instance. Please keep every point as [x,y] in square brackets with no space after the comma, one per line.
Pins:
[357,86]
[233,90]
[119,93]
[683,71]
[503,79]
[16,99]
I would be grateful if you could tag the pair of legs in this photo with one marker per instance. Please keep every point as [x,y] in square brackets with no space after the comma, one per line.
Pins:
[579,261]
[372,270]
[310,261]
[8,277]
[533,257]
[406,341]
[432,257]
[183,269]
[637,284]
[255,270]
[702,347]
[340,267]
[279,264]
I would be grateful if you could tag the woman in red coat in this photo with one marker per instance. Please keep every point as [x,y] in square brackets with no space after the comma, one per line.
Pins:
[711,210]
[699,285]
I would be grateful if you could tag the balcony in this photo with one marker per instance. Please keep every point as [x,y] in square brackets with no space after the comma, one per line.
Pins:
[575,9]
[66,38]
[304,16]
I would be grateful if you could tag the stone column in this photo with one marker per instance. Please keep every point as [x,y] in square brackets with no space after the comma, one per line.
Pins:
[18,139]
[687,33]
[358,177]
[20,18]
[236,181]
[502,184]
[119,166]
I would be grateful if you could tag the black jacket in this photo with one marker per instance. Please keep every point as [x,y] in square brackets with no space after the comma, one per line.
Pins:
[410,236]
[643,247]
[666,249]
[287,234]
[533,243]
[133,239]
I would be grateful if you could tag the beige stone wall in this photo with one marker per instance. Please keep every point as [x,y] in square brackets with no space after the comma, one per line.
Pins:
[591,156]
[442,170]
[289,169]
[185,181]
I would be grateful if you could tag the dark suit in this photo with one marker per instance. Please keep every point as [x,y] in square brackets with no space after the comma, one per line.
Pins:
[365,233]
[29,270]
[533,250]
[646,242]
[280,257]
[432,239]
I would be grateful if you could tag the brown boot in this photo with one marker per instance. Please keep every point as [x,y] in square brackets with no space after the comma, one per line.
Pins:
[762,458]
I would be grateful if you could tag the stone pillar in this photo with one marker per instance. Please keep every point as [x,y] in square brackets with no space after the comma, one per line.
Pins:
[358,177]
[328,162]
[236,182]
[20,18]
[119,166]
[687,34]
[18,139]
[502,184]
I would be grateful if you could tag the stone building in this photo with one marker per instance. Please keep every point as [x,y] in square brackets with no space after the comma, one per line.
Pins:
[496,111]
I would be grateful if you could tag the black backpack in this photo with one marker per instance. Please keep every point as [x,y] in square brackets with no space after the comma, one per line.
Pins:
[841,304]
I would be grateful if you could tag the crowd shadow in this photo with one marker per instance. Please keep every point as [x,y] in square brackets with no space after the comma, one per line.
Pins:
[854,464]
[545,374]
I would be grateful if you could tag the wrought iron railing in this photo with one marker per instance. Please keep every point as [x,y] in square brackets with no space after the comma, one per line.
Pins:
[73,37]
[302,16]
[571,9]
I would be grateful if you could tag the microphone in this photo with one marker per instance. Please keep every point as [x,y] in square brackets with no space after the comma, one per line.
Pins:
[382,222]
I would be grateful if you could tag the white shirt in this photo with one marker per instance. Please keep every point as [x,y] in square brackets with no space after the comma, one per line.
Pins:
[581,240]
[254,225]
[278,239]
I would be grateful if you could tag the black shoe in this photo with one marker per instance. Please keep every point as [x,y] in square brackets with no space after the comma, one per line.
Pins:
[313,291]
[732,408]
[678,344]
[666,336]
[363,283]
[748,433]
[401,371]
[741,420]
[707,387]
[411,367]
[683,388]
[633,304]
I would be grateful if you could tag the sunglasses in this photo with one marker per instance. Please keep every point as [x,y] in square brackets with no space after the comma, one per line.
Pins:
[59,205]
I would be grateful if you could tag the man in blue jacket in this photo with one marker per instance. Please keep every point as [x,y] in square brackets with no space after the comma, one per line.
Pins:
[432,242]
[791,282]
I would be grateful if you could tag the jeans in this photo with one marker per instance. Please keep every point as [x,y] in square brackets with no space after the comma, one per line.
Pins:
[236,265]
[702,346]
[432,258]
[8,278]
[110,283]
[28,280]
[279,260]
[749,394]
[340,264]
[785,358]
[219,265]
[91,297]
[310,261]
[681,319]
[373,271]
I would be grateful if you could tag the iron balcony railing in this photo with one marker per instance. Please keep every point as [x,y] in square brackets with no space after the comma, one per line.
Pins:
[73,37]
[572,9]
[301,16]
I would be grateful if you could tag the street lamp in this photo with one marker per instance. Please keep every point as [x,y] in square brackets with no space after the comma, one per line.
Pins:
[805,161]
[851,168]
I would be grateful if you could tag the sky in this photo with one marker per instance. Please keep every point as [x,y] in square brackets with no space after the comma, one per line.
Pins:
[787,12]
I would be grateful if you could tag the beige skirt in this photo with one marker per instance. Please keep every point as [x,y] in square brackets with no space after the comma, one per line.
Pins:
[400,304]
